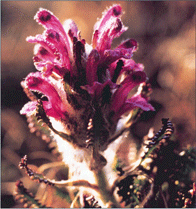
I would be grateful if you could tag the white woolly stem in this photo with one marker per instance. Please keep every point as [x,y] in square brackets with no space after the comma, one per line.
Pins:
[105,193]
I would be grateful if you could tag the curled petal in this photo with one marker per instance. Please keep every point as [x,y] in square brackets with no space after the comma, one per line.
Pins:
[56,39]
[140,102]
[130,43]
[108,28]
[127,85]
[113,55]
[36,82]
[133,102]
[43,54]
[28,108]
[137,101]
[49,21]
[72,31]
[126,65]
[130,65]
[124,50]
[113,30]
[134,78]
[46,61]
[47,68]
[113,12]
[52,112]
[70,28]
[41,40]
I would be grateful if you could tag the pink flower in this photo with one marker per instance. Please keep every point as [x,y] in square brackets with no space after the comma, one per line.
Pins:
[86,86]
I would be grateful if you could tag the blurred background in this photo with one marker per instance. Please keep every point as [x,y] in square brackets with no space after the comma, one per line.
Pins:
[165,32]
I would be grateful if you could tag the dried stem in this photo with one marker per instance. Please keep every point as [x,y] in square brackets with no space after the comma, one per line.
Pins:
[75,200]
[148,196]
[163,197]
[76,183]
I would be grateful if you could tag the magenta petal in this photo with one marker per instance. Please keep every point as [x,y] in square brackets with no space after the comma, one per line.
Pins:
[46,57]
[52,112]
[43,54]
[40,40]
[96,89]
[49,21]
[130,43]
[72,31]
[117,28]
[130,65]
[113,29]
[141,102]
[47,68]
[31,106]
[137,101]
[133,102]
[108,28]
[56,39]
[91,66]
[113,55]
[61,71]
[124,50]
[70,28]
[113,11]
[135,78]
[28,108]
[112,68]
[92,89]
[36,82]
[127,85]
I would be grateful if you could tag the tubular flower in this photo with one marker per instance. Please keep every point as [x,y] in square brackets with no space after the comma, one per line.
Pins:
[84,87]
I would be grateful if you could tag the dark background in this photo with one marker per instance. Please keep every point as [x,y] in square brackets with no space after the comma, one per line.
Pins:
[165,32]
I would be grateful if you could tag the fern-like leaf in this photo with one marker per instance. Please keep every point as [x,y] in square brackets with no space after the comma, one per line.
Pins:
[22,195]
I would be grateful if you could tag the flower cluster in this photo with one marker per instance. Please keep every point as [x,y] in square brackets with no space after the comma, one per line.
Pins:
[84,87]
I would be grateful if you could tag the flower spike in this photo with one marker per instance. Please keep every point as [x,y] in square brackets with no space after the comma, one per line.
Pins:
[85,87]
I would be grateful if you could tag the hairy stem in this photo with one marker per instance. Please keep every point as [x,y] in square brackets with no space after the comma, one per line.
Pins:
[105,193]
